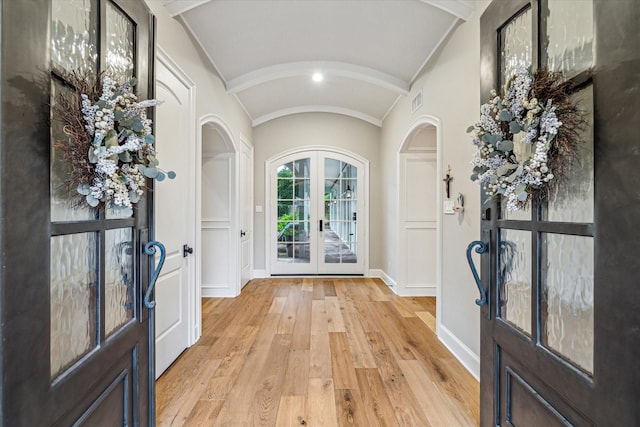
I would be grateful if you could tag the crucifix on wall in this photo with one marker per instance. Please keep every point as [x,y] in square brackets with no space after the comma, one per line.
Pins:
[448,178]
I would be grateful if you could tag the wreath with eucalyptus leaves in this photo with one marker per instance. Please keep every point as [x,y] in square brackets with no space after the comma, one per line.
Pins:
[527,138]
[110,145]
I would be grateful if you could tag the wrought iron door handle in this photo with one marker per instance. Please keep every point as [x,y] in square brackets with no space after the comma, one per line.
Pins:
[481,248]
[150,249]
[243,233]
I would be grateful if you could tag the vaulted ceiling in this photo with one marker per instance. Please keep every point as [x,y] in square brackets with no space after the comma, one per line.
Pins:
[368,51]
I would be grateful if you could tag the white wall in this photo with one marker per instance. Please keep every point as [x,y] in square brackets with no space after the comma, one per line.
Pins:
[451,88]
[325,129]
[211,97]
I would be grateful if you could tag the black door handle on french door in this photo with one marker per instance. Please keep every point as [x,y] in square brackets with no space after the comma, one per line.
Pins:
[243,233]
[320,225]
[481,248]
[186,250]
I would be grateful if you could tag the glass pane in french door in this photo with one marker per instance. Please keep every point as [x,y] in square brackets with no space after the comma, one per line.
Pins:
[340,245]
[294,212]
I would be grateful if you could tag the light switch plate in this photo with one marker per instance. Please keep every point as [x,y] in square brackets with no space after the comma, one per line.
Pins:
[448,207]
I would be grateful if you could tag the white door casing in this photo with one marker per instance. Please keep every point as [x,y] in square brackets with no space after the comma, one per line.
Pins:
[246,212]
[176,325]
[316,264]
[420,154]
[217,207]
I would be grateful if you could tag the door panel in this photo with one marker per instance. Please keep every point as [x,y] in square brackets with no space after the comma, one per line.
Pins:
[72,326]
[552,353]
[175,218]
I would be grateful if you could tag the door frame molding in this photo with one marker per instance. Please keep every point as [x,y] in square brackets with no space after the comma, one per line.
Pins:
[245,142]
[194,317]
[267,197]
[421,121]
[226,134]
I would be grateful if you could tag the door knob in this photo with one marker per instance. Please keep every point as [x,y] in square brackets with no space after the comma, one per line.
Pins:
[186,250]
[243,233]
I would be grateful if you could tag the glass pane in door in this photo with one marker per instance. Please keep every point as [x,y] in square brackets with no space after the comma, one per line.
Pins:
[74,36]
[74,282]
[294,212]
[567,297]
[573,198]
[65,203]
[340,244]
[514,278]
[570,46]
[517,48]
[119,280]
[120,44]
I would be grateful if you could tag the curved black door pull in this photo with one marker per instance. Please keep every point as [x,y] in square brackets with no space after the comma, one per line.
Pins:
[481,248]
[149,249]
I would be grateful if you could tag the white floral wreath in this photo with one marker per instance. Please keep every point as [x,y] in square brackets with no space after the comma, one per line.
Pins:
[122,149]
[513,137]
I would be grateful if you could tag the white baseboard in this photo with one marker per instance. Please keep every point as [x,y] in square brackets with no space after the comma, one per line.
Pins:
[468,358]
[417,291]
[217,292]
[380,274]
[259,274]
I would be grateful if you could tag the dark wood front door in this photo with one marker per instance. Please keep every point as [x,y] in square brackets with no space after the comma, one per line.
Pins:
[74,331]
[561,330]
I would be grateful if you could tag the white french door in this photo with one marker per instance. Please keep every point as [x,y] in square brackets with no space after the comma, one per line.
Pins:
[316,214]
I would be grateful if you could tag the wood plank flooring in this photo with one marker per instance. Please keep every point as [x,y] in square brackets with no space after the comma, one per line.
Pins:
[317,352]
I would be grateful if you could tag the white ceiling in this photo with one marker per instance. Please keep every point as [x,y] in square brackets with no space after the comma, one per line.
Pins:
[369,51]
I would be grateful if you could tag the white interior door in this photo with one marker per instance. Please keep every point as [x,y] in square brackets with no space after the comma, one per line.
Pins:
[419,231]
[246,213]
[317,212]
[174,216]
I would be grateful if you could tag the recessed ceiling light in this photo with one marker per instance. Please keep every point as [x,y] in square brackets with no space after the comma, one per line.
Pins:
[317,77]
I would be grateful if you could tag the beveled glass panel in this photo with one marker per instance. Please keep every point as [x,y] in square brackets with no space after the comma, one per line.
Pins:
[349,189]
[332,169]
[515,278]
[301,168]
[302,189]
[120,44]
[301,253]
[303,210]
[573,199]
[302,231]
[74,36]
[119,280]
[519,215]
[285,208]
[73,287]
[570,36]
[64,203]
[517,46]
[567,296]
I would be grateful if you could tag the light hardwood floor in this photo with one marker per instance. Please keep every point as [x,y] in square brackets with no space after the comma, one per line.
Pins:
[317,352]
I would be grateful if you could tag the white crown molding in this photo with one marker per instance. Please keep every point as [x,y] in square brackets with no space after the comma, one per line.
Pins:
[316,109]
[178,7]
[462,9]
[295,69]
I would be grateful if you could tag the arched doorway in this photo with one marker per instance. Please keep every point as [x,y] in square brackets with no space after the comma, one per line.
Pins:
[419,210]
[218,260]
[317,215]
